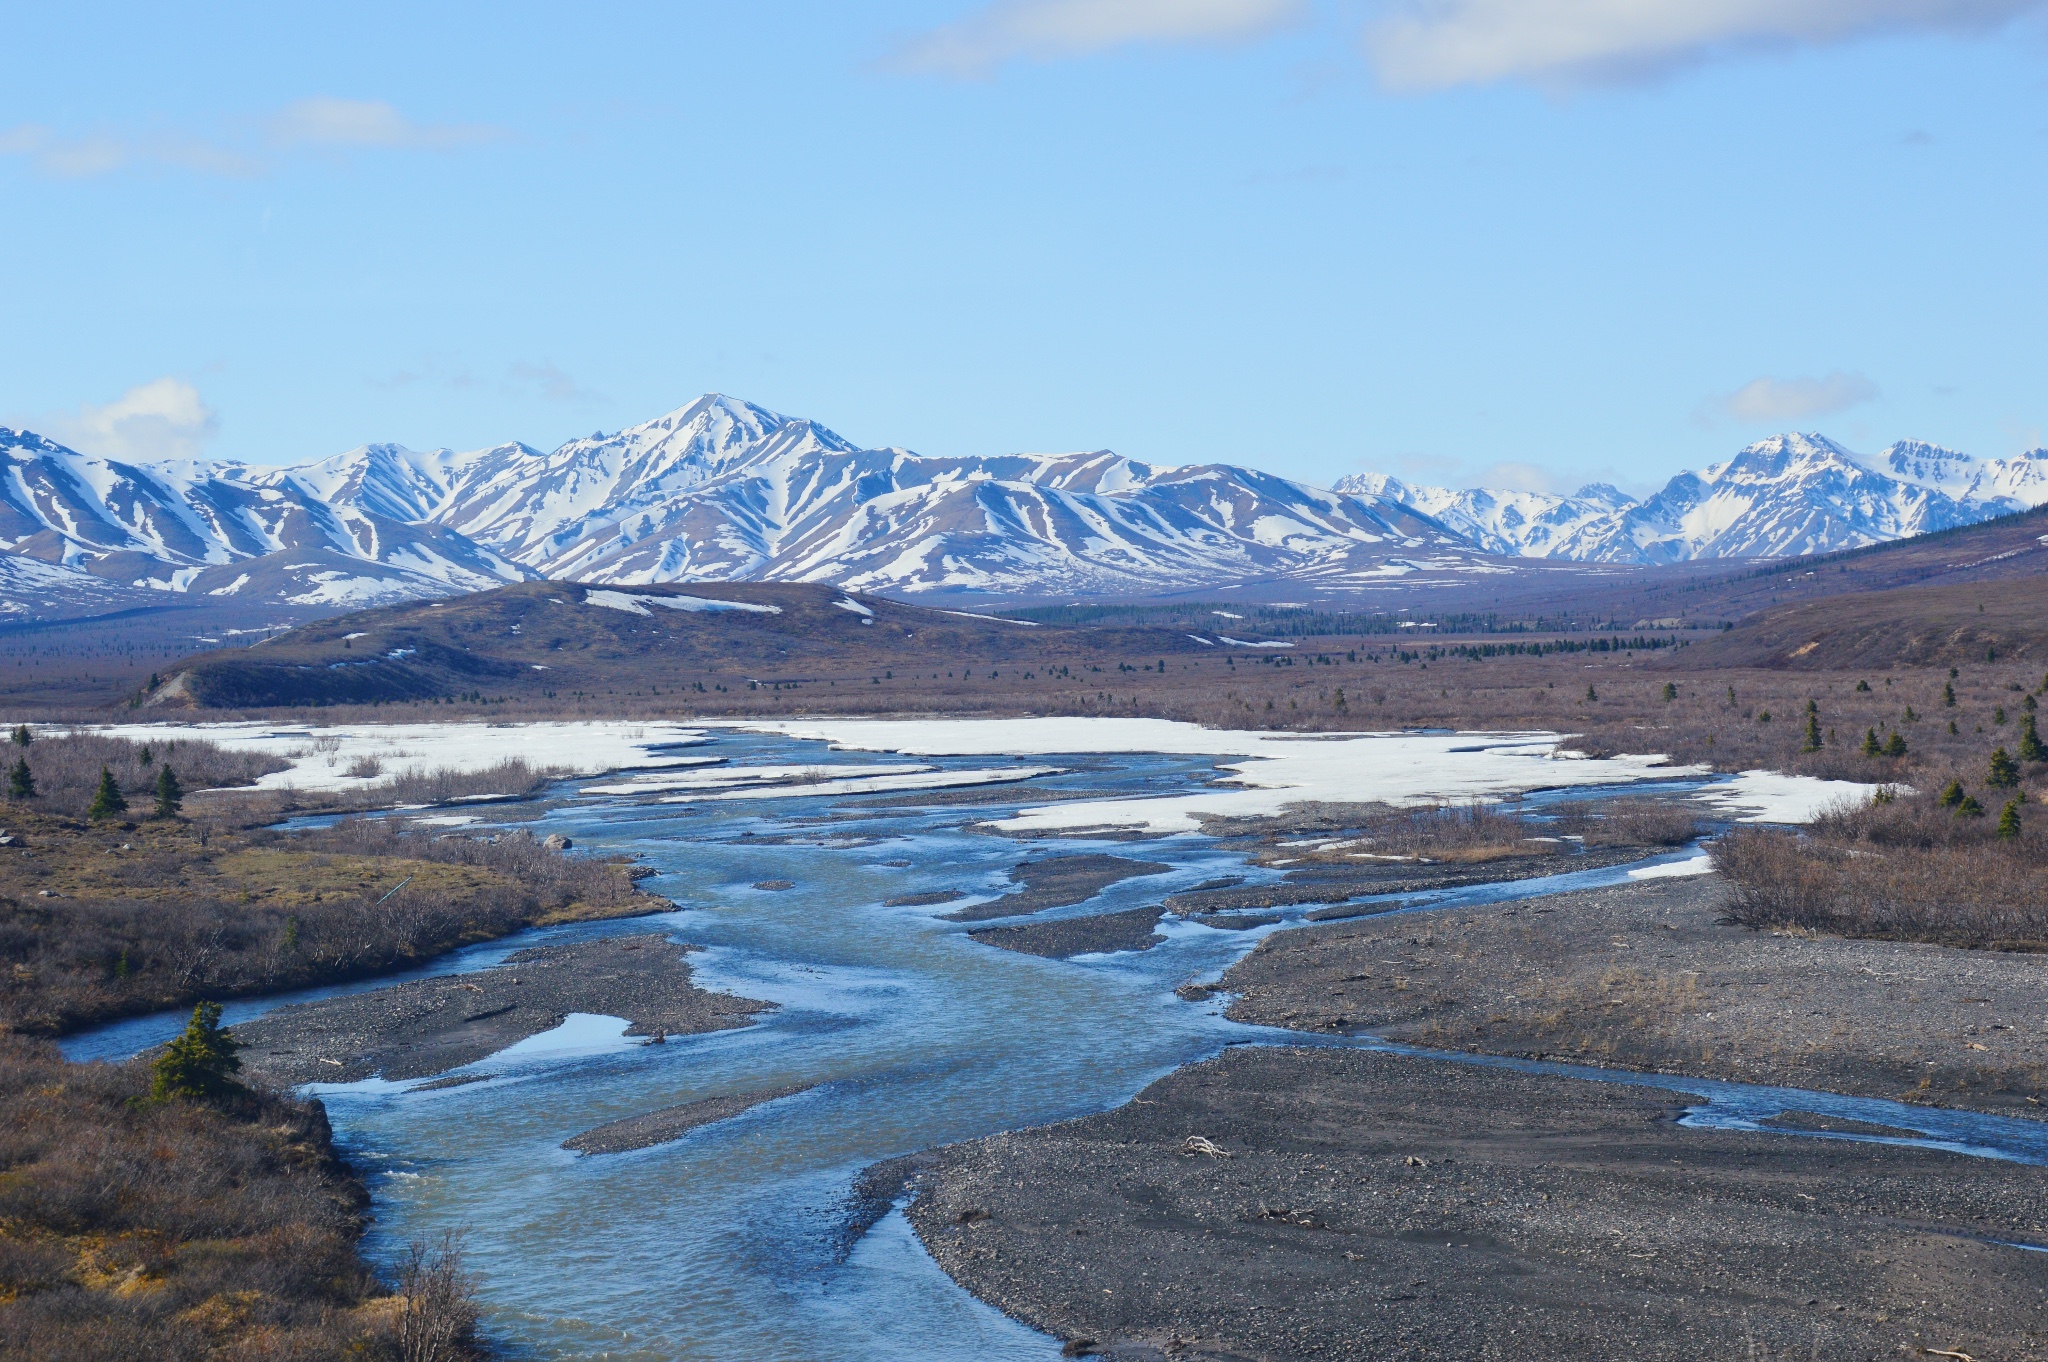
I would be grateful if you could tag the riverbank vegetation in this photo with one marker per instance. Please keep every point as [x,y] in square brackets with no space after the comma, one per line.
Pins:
[111,917]
[1949,868]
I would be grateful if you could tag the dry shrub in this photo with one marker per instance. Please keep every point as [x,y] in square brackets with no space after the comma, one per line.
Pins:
[1631,822]
[125,946]
[1461,832]
[419,785]
[171,1231]
[67,766]
[1965,893]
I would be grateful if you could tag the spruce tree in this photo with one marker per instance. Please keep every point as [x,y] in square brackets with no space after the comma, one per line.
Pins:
[2031,746]
[1871,746]
[1948,694]
[21,736]
[106,800]
[2005,772]
[1812,743]
[2009,822]
[170,796]
[1896,746]
[1670,690]
[1952,794]
[1969,808]
[21,782]
[201,1064]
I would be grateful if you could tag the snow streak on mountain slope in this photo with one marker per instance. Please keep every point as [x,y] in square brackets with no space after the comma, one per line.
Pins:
[176,527]
[723,490]
[1790,494]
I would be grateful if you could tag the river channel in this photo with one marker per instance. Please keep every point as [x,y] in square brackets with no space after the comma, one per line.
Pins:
[743,1240]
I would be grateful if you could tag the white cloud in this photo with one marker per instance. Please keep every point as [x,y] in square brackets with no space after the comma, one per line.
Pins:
[1433,44]
[324,121]
[1050,29]
[549,382]
[1790,399]
[162,419]
[102,153]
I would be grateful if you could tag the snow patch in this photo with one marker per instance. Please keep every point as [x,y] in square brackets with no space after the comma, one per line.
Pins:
[637,605]
[1774,797]
[1279,769]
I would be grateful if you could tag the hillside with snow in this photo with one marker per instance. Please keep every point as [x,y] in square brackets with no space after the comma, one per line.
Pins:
[1787,495]
[723,490]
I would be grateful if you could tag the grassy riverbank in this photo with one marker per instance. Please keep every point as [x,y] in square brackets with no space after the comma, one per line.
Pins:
[183,1230]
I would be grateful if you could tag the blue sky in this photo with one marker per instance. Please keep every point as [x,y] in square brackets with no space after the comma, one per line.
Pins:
[1525,241]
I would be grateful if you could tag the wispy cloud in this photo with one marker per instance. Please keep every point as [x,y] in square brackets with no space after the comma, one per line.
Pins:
[548,381]
[162,419]
[1788,399]
[324,121]
[1046,30]
[316,124]
[85,155]
[1435,44]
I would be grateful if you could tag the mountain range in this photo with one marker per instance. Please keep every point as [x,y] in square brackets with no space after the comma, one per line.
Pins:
[723,490]
[1788,495]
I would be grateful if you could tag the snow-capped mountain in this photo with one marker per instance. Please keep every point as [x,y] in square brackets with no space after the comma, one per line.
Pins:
[224,529]
[1790,494]
[725,490]
[718,490]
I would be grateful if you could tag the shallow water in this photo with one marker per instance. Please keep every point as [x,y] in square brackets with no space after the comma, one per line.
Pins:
[733,1242]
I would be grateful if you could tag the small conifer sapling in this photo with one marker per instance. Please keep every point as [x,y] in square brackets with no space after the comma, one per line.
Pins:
[21,782]
[201,1064]
[107,800]
[170,796]
[2009,822]
[2005,772]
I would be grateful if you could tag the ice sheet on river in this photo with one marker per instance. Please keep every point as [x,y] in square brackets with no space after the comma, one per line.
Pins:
[1278,768]
[321,755]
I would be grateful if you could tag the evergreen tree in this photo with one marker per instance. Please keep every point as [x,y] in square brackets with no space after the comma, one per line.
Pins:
[1592,694]
[2005,772]
[170,796]
[1896,746]
[2031,746]
[1670,690]
[1951,794]
[1863,686]
[1969,808]
[106,800]
[200,1065]
[1871,747]
[21,737]
[1948,695]
[21,782]
[2009,822]
[1812,743]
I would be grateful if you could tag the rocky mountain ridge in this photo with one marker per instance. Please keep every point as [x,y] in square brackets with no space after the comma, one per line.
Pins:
[723,490]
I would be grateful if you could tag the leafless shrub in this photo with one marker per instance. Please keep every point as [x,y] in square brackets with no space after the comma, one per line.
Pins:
[438,1319]
[1631,822]
[1979,893]
[66,767]
[366,768]
[419,785]
[108,946]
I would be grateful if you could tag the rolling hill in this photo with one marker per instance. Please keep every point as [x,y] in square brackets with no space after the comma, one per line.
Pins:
[562,640]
